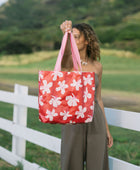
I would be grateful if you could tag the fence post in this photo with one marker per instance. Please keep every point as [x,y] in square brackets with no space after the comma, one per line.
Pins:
[20,118]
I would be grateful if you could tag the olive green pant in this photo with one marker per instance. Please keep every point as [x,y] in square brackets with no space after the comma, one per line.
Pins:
[85,142]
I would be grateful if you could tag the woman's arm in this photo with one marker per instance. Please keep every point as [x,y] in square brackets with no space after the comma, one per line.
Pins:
[67,63]
[99,98]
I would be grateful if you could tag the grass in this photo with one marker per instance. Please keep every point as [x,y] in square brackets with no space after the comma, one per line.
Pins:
[8,60]
[34,153]
[132,19]
[121,82]
[129,82]
[119,53]
[119,75]
[126,142]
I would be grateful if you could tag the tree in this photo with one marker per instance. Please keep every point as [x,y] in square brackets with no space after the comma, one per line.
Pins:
[23,14]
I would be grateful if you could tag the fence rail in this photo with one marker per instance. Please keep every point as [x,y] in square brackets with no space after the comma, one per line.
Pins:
[21,133]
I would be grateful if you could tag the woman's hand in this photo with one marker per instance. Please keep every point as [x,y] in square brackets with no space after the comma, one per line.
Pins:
[109,139]
[66,26]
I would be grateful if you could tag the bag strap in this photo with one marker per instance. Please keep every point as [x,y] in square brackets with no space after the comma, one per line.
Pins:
[75,53]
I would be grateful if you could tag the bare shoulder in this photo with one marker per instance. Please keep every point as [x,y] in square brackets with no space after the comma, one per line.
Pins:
[98,66]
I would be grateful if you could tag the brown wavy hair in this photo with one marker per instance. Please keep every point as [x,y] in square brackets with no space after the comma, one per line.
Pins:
[93,48]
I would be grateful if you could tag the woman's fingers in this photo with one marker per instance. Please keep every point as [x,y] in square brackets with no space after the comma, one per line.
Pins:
[110,141]
[66,26]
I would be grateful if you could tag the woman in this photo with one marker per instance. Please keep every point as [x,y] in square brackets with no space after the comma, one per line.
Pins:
[86,142]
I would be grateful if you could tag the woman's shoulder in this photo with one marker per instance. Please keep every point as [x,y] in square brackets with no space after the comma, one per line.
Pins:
[98,66]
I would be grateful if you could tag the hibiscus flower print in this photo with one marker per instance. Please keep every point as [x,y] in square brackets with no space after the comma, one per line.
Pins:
[86,95]
[72,100]
[40,76]
[72,122]
[92,106]
[62,86]
[81,112]
[40,101]
[55,101]
[77,72]
[51,114]
[46,87]
[93,88]
[65,115]
[89,119]
[76,84]
[88,80]
[55,74]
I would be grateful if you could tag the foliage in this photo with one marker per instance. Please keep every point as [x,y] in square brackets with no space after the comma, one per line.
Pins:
[122,69]
[37,23]
[129,32]
[22,14]
[17,47]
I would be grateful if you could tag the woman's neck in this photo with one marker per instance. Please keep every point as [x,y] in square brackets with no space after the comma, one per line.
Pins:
[83,55]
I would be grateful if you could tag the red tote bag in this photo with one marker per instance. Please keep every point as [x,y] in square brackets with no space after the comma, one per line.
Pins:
[66,97]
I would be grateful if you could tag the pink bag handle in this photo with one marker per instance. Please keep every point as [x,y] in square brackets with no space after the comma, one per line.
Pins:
[75,53]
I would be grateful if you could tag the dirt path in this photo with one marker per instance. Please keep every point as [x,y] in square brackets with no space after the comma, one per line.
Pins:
[121,100]
[111,99]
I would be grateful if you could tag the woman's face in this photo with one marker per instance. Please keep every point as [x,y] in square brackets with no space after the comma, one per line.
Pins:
[79,39]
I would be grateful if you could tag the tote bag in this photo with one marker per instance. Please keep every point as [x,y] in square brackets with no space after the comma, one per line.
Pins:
[66,97]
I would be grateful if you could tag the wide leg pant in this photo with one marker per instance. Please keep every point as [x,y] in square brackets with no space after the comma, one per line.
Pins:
[85,142]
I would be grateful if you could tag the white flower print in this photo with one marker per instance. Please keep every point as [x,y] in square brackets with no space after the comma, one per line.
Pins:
[89,119]
[65,115]
[77,72]
[86,95]
[72,100]
[88,80]
[55,101]
[81,112]
[76,84]
[50,114]
[40,101]
[46,87]
[93,88]
[62,86]
[55,74]
[40,76]
[92,106]
[72,122]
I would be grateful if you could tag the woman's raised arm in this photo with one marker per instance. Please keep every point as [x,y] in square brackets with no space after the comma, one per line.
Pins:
[67,63]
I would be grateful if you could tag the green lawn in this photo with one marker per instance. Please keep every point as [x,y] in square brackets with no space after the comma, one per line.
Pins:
[126,142]
[122,74]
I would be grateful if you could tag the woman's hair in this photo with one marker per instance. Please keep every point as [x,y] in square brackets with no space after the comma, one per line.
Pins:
[93,48]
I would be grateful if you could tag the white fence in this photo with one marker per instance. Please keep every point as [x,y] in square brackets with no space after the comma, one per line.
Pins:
[20,133]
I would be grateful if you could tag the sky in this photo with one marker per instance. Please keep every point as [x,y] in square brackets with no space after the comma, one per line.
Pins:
[2,1]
